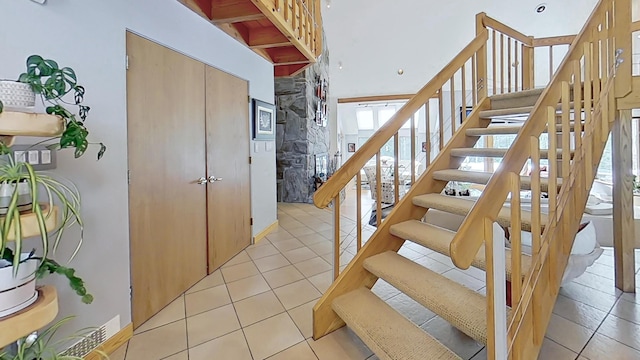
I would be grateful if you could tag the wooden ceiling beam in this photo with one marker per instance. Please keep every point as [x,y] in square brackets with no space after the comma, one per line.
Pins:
[235,12]
[288,70]
[286,55]
[260,38]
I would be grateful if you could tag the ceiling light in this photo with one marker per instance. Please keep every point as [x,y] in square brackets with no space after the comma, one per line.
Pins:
[328,4]
[541,8]
[400,71]
[340,65]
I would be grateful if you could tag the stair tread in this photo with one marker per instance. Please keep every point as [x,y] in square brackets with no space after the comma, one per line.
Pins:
[487,114]
[460,206]
[389,334]
[438,239]
[460,306]
[495,152]
[482,177]
[517,94]
[503,130]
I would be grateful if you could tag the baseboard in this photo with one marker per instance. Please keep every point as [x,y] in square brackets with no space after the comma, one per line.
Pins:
[112,344]
[262,234]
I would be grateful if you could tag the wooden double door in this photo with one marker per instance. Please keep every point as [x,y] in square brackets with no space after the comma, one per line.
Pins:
[189,187]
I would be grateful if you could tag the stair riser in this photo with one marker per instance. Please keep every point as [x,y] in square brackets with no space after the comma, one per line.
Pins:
[519,101]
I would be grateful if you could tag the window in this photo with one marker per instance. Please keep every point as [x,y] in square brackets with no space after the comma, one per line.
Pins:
[385,114]
[365,119]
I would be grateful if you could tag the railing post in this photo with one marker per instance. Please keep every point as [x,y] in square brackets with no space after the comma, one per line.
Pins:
[336,237]
[622,18]
[623,225]
[528,66]
[481,66]
[496,295]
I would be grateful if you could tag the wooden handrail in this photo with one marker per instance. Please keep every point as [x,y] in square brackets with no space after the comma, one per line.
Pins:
[490,22]
[554,40]
[463,247]
[344,174]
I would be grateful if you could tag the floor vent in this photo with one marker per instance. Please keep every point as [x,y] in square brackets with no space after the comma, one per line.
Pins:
[88,343]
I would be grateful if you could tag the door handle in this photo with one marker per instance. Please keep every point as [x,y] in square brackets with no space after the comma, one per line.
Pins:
[213,179]
[202,181]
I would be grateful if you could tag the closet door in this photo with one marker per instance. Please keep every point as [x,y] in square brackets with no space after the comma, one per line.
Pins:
[229,198]
[166,149]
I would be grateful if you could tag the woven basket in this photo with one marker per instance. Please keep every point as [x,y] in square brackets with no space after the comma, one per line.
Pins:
[16,96]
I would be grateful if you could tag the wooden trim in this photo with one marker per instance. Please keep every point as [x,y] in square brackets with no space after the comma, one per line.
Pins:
[488,21]
[262,234]
[112,344]
[554,40]
[344,174]
[631,100]
[373,98]
[635,26]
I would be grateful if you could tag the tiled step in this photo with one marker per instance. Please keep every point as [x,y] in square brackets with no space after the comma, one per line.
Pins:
[505,130]
[460,306]
[387,333]
[460,206]
[497,153]
[438,239]
[481,177]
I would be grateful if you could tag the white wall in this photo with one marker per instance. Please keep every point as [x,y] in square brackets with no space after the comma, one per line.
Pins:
[89,35]
[421,37]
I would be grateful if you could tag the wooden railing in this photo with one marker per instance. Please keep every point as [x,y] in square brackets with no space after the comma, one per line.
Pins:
[456,88]
[585,85]
[511,56]
[300,18]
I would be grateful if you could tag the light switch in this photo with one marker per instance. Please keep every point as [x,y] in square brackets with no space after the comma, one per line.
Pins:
[45,157]
[33,157]
[19,156]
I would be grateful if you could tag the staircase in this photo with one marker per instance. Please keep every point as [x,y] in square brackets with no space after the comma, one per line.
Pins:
[571,117]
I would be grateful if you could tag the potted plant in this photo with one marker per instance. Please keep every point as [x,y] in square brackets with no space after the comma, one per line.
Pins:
[53,83]
[15,95]
[42,347]
[18,285]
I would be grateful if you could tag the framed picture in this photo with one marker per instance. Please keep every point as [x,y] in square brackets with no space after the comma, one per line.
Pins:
[264,120]
[424,146]
[466,113]
[351,147]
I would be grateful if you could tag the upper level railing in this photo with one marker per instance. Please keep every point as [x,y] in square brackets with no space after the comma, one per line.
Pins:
[300,18]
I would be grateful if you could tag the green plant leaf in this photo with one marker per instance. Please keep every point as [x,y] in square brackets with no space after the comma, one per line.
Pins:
[1,106]
[33,62]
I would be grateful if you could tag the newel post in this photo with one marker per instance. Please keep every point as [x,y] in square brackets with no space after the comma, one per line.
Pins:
[481,60]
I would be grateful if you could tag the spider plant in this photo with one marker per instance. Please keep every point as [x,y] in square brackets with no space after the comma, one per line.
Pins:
[53,191]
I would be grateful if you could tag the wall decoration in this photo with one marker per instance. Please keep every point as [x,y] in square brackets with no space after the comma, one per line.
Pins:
[424,146]
[264,120]
[321,107]
[351,147]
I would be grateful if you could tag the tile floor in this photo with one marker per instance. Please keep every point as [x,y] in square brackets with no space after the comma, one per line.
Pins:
[258,305]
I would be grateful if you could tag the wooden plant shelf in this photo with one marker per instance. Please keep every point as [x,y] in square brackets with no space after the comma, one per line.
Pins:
[29,124]
[30,223]
[30,319]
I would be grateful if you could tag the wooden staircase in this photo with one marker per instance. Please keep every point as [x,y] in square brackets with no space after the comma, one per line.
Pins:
[573,114]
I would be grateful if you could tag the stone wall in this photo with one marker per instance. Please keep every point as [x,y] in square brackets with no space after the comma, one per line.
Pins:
[298,137]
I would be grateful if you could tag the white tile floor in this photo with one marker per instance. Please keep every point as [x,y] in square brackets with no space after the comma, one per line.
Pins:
[258,305]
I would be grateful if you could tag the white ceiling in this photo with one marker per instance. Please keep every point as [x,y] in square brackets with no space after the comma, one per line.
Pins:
[372,39]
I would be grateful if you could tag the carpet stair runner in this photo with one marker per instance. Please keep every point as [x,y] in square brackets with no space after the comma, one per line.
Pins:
[388,333]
